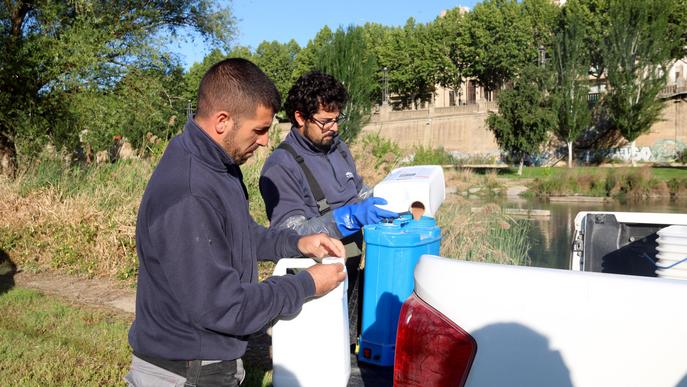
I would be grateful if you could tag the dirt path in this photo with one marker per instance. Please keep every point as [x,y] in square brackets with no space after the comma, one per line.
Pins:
[93,292]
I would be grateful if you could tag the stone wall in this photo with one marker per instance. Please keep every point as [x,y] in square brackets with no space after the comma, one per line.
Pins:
[465,133]
[463,129]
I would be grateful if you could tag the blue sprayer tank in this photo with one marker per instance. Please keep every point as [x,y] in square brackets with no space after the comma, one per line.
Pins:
[391,253]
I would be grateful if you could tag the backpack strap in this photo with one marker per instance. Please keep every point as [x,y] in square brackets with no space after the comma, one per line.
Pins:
[322,205]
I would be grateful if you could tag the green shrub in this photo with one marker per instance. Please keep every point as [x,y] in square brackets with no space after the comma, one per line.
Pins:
[431,156]
[383,149]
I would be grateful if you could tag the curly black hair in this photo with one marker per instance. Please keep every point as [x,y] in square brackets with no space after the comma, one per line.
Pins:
[312,91]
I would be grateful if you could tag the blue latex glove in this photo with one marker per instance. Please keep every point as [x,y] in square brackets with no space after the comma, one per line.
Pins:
[353,217]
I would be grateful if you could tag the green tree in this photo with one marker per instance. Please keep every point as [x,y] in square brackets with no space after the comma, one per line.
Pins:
[411,74]
[308,57]
[571,66]
[278,61]
[500,37]
[348,59]
[494,43]
[412,58]
[594,16]
[378,40]
[444,30]
[637,53]
[143,101]
[525,116]
[53,51]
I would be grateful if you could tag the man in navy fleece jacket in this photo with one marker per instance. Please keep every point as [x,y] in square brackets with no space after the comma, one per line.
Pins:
[198,297]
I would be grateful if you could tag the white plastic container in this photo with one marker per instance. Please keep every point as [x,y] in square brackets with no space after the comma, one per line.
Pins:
[672,248]
[417,184]
[311,349]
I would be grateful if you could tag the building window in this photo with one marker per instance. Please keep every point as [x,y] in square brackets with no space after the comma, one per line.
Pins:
[451,98]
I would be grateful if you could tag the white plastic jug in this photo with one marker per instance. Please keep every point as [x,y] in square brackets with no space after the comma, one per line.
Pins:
[312,348]
[405,187]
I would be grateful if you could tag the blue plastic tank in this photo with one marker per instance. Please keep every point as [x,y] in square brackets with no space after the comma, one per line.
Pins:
[391,252]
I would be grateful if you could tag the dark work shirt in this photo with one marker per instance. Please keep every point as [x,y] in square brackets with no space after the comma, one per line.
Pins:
[198,295]
[285,188]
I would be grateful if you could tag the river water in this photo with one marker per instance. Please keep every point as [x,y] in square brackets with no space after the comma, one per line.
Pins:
[551,237]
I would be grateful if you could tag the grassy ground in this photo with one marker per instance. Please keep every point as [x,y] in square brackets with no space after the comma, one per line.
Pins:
[46,342]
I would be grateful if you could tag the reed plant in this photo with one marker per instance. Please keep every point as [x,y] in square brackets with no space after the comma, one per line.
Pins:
[485,236]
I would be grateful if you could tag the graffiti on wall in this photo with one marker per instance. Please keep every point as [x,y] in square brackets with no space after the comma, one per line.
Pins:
[663,151]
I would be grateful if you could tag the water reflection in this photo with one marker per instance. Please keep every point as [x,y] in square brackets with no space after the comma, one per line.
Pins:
[551,237]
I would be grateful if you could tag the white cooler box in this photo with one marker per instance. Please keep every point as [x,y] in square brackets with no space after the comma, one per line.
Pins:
[408,187]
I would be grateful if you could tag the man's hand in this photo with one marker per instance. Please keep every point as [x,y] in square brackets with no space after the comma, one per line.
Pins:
[320,246]
[326,277]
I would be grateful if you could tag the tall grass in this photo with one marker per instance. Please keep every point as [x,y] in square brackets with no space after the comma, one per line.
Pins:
[79,220]
[487,236]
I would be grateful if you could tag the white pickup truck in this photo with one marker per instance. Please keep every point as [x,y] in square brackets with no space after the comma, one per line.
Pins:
[607,322]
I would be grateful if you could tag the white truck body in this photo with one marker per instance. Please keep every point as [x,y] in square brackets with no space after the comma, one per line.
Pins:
[552,327]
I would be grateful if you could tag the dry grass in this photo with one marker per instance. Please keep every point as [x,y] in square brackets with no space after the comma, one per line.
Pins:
[42,230]
[486,236]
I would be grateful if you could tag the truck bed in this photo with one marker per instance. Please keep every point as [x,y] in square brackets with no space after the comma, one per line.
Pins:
[552,327]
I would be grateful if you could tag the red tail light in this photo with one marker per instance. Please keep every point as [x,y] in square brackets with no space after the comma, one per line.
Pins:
[430,349]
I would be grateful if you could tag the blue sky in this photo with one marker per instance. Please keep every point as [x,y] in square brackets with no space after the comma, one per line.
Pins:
[283,20]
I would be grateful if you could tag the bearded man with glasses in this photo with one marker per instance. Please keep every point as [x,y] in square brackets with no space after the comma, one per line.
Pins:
[310,183]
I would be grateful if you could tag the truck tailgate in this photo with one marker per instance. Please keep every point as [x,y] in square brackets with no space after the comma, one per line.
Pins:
[550,327]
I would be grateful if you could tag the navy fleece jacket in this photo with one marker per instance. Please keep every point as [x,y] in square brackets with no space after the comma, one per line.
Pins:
[198,294]
[285,188]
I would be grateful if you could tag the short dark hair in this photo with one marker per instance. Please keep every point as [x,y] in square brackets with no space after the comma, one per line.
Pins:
[313,90]
[238,86]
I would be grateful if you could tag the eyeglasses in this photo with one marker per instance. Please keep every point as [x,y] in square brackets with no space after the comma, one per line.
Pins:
[328,124]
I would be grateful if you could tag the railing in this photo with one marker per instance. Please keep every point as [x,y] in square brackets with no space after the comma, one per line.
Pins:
[400,115]
[672,90]
[488,105]
[462,109]
[408,114]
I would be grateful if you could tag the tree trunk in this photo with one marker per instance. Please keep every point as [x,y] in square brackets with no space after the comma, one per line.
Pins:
[570,153]
[633,159]
[8,157]
[522,162]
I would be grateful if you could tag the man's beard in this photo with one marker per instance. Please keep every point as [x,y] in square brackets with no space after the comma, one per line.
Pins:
[326,143]
[232,149]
